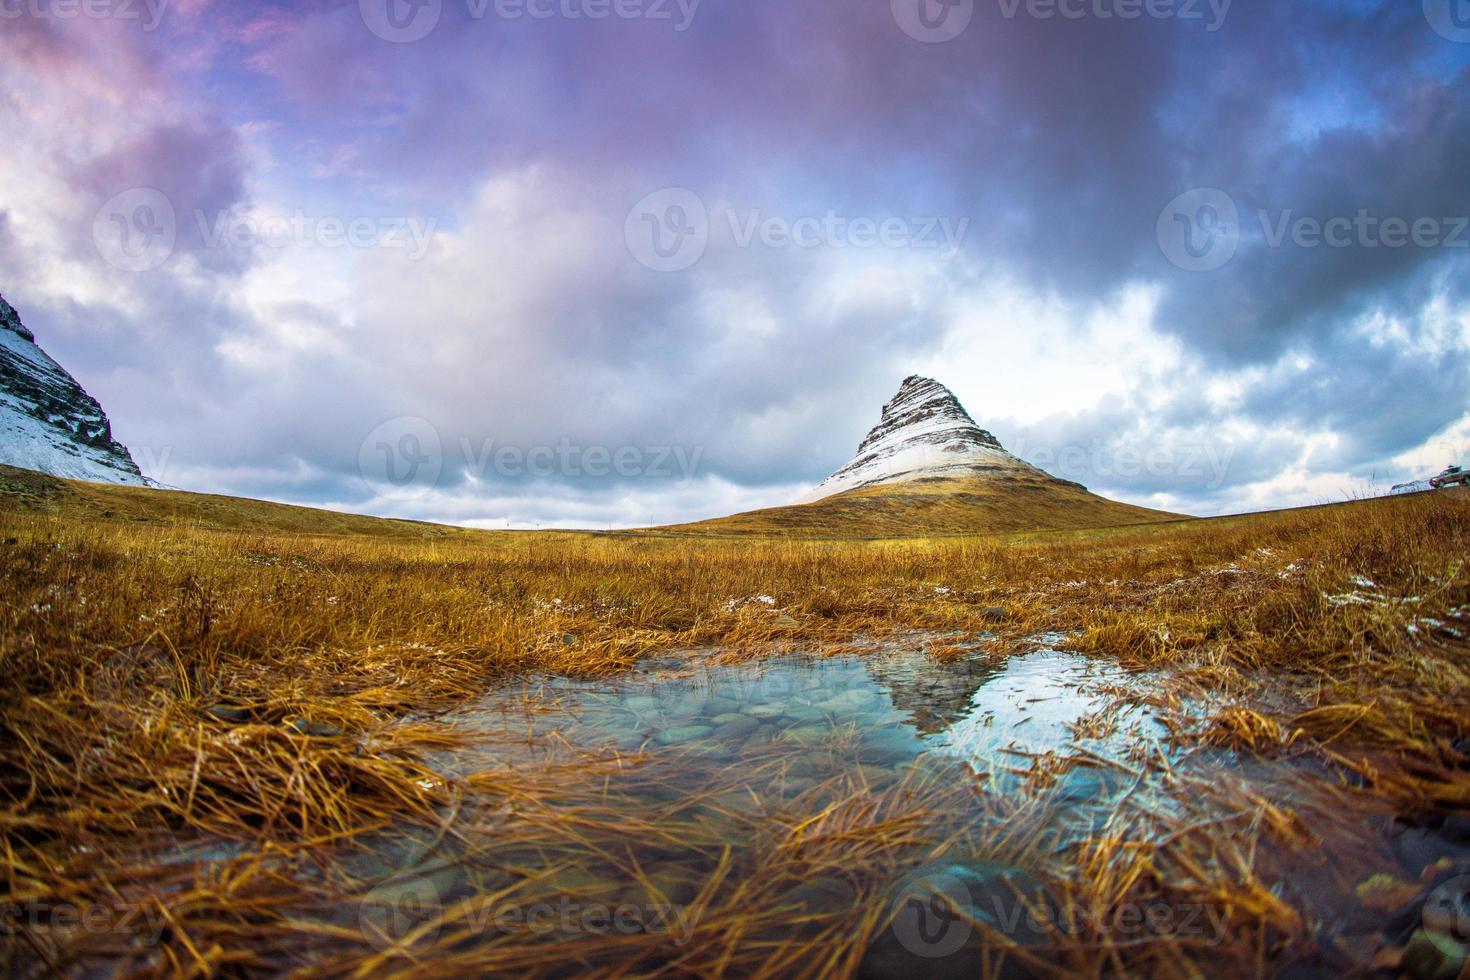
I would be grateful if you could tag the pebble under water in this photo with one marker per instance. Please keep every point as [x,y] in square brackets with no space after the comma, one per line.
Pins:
[875,805]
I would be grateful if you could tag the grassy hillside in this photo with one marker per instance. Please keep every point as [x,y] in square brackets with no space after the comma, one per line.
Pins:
[909,510]
[936,507]
[271,677]
[27,490]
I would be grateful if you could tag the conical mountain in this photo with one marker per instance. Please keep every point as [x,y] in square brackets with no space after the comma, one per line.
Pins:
[924,434]
[927,468]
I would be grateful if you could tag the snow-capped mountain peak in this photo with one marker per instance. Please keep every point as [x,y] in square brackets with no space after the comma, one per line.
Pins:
[48,422]
[10,320]
[924,433]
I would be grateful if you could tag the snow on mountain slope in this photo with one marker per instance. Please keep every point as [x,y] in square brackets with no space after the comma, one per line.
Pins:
[47,421]
[927,469]
[924,433]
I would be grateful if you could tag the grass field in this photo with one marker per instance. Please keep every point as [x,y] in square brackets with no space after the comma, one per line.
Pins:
[178,665]
[936,507]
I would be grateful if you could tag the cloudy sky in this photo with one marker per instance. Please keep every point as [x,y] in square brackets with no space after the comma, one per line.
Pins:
[612,262]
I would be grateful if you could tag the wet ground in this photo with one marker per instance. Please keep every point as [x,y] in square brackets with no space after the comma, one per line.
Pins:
[917,807]
[880,805]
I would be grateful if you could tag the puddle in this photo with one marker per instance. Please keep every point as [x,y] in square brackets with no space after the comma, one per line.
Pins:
[877,709]
[796,721]
[727,810]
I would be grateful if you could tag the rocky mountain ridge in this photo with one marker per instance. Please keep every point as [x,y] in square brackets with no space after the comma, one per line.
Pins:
[48,422]
[924,433]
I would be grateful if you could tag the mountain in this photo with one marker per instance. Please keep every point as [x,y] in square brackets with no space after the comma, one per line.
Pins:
[924,434]
[927,468]
[48,422]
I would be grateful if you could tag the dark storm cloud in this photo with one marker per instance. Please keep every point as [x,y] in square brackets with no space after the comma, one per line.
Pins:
[1289,281]
[1413,390]
[197,167]
[1060,140]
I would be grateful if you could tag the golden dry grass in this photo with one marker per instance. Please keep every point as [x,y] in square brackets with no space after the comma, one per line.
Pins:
[935,507]
[272,676]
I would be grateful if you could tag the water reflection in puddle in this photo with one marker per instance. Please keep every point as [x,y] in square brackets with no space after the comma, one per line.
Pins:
[891,704]
[729,794]
[1049,701]
[740,745]
[877,711]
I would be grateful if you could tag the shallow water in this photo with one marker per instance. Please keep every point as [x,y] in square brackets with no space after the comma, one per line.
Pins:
[895,703]
[694,792]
